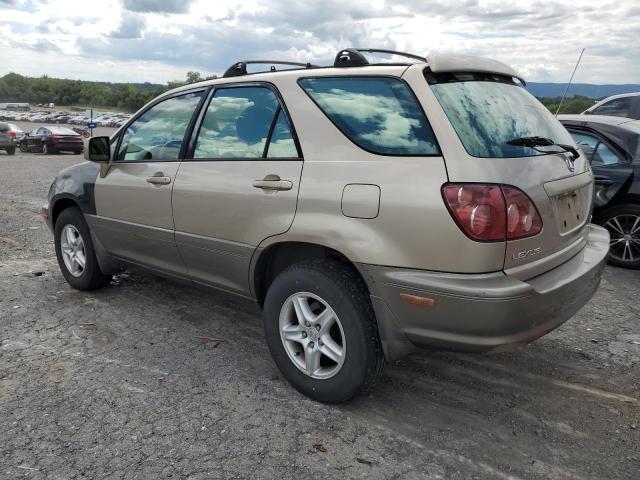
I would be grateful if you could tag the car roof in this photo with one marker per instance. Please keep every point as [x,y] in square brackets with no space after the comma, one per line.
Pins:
[441,62]
[596,119]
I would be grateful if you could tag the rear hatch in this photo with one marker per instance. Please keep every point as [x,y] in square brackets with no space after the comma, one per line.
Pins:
[491,114]
[4,134]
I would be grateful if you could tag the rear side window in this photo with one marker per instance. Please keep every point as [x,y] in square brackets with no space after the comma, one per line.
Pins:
[245,123]
[379,114]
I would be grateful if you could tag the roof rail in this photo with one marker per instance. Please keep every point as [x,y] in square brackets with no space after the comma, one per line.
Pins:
[240,68]
[352,57]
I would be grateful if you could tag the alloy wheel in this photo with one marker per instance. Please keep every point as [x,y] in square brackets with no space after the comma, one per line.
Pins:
[73,250]
[312,335]
[625,237]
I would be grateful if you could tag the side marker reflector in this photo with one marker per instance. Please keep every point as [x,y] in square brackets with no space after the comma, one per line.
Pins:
[416,300]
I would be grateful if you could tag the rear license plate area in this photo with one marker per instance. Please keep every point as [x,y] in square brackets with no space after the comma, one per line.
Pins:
[570,210]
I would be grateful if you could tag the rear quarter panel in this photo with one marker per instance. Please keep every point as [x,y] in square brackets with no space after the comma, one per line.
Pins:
[413,228]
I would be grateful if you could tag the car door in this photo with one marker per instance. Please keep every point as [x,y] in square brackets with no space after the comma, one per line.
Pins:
[34,140]
[134,219]
[610,165]
[239,186]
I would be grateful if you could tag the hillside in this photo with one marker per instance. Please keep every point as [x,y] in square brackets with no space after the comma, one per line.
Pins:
[551,90]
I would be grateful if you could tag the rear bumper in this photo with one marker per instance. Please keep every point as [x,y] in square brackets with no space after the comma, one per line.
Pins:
[482,312]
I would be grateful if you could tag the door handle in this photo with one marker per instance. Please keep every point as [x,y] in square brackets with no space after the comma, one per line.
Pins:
[159,180]
[273,182]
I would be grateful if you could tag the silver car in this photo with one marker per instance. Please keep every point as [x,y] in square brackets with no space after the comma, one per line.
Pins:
[369,209]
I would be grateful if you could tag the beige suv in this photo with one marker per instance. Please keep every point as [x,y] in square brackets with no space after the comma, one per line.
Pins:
[368,208]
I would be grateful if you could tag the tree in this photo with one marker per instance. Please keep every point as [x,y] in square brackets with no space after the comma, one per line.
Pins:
[193,77]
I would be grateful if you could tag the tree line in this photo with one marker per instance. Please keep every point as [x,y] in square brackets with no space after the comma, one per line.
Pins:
[123,96]
[131,96]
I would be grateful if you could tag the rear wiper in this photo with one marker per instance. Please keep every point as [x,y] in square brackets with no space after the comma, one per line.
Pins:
[534,142]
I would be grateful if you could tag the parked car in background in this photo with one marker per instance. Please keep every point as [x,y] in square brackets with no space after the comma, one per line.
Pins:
[52,139]
[7,139]
[623,105]
[15,132]
[612,145]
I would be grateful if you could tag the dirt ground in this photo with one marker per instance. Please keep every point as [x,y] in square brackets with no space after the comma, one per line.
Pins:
[150,379]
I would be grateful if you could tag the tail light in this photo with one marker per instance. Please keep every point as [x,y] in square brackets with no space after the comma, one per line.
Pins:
[492,213]
[12,134]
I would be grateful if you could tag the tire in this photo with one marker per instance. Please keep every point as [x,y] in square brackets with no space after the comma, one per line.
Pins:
[623,223]
[89,277]
[23,147]
[77,152]
[43,149]
[11,151]
[354,331]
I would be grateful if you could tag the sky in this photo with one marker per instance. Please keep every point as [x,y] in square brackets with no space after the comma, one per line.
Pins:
[160,40]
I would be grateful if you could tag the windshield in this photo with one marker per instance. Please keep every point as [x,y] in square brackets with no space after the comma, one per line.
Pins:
[489,111]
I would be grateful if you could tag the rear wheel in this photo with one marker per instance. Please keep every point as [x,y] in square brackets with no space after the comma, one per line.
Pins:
[11,151]
[23,147]
[75,252]
[322,332]
[623,223]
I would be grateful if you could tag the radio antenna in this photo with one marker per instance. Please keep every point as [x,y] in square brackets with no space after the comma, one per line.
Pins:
[569,84]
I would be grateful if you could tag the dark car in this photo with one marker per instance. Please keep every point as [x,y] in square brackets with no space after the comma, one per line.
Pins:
[52,139]
[7,136]
[612,145]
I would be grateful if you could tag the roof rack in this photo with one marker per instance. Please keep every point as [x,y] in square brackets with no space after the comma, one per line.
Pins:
[352,57]
[240,68]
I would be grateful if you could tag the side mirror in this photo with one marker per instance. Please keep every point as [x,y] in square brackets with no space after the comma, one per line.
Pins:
[99,150]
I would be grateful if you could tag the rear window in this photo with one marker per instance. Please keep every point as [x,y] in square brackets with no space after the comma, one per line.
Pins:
[379,114]
[487,111]
[62,131]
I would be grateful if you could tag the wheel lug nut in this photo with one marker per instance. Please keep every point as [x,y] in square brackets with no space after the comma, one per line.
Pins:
[304,334]
[311,345]
[318,327]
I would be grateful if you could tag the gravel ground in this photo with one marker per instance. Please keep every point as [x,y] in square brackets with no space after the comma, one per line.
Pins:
[150,379]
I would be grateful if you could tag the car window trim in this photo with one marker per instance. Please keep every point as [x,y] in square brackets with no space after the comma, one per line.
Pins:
[119,134]
[272,127]
[439,154]
[189,157]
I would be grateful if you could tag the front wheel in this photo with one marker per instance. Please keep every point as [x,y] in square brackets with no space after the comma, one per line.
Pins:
[44,149]
[623,223]
[322,332]
[75,252]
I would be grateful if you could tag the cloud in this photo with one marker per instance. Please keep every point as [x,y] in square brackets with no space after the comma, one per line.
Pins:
[157,6]
[131,27]
[541,38]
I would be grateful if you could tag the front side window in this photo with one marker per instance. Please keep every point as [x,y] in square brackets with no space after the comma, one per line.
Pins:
[157,134]
[379,114]
[491,112]
[597,152]
[238,124]
[618,107]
